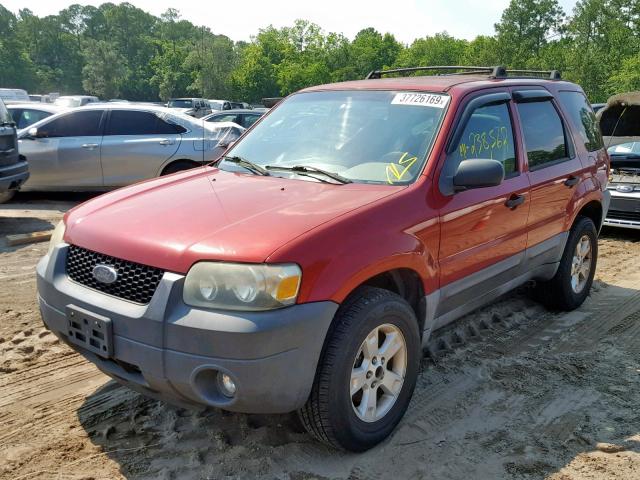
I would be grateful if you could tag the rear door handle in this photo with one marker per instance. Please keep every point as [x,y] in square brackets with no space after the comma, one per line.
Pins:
[514,201]
[571,181]
[89,146]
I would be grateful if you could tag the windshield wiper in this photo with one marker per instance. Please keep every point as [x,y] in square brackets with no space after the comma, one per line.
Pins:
[243,162]
[309,170]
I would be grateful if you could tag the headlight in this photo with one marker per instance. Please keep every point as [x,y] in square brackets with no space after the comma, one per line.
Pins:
[56,236]
[242,286]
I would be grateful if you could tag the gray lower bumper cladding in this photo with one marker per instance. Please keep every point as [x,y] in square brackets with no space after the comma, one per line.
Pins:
[173,352]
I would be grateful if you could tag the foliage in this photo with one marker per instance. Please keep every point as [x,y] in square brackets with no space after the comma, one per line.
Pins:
[119,50]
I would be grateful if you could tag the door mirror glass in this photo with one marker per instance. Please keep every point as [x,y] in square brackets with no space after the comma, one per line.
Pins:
[478,173]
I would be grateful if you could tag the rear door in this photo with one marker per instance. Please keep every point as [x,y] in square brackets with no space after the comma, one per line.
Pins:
[554,169]
[483,230]
[136,144]
[66,154]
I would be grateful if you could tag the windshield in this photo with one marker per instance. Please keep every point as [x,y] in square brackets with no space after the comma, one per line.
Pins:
[364,136]
[177,103]
[68,102]
[5,116]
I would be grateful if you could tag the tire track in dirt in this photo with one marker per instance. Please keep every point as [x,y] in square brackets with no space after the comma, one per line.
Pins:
[518,392]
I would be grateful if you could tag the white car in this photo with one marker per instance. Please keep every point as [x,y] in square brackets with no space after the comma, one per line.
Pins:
[14,95]
[71,101]
[27,113]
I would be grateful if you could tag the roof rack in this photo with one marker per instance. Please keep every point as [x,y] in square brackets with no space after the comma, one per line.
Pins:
[492,72]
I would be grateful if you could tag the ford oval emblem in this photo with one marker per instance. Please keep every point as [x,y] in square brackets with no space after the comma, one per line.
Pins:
[624,188]
[105,273]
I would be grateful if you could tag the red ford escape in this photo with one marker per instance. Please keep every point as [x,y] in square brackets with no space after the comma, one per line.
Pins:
[305,269]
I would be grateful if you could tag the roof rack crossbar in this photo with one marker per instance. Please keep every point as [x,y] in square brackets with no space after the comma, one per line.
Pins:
[493,72]
[465,70]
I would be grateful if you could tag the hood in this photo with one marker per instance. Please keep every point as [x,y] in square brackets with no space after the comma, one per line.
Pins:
[208,214]
[620,119]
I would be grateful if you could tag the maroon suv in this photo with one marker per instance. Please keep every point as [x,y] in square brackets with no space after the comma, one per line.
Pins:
[305,269]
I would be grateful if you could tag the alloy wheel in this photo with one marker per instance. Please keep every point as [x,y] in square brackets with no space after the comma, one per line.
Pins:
[378,373]
[581,264]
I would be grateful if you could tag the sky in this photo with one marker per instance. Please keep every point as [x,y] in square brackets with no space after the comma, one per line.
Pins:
[239,20]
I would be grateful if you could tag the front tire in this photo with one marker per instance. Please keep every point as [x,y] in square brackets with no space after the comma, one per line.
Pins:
[367,371]
[570,286]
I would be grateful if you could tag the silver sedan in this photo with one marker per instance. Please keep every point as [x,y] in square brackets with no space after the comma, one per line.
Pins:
[104,146]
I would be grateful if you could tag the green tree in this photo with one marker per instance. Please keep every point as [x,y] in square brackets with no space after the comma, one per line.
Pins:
[16,68]
[439,49]
[104,69]
[525,28]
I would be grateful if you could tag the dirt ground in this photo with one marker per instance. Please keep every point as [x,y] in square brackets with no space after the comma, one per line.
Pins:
[513,391]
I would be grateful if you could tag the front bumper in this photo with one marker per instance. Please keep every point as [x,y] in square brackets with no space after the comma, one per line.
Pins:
[624,210]
[171,351]
[12,177]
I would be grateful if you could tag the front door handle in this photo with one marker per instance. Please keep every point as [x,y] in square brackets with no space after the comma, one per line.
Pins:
[514,201]
[571,181]
[165,141]
[89,146]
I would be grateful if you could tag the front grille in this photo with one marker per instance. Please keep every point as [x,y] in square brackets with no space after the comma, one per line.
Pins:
[621,215]
[136,283]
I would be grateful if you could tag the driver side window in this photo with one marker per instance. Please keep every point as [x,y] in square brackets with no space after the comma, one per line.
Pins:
[487,135]
[83,123]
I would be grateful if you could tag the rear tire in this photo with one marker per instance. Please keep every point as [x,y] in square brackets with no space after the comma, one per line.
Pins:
[359,395]
[6,196]
[178,166]
[570,286]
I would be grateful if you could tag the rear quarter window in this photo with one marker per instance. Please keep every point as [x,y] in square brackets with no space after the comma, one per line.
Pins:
[583,119]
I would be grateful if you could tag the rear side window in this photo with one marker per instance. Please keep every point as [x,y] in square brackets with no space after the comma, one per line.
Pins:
[76,124]
[250,120]
[224,118]
[544,135]
[123,122]
[488,135]
[583,119]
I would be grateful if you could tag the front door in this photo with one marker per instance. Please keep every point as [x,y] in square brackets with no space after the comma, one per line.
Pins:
[483,230]
[65,154]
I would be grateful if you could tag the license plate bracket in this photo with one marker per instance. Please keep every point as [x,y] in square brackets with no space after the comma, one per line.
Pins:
[90,331]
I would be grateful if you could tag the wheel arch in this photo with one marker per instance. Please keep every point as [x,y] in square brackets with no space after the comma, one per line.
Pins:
[173,161]
[405,282]
[593,210]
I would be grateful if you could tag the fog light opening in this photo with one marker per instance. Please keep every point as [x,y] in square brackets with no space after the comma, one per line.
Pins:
[227,385]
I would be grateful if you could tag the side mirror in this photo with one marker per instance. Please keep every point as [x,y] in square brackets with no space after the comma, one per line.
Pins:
[31,134]
[478,173]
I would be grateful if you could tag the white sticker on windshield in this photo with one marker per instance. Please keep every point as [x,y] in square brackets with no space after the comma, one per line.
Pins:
[421,99]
